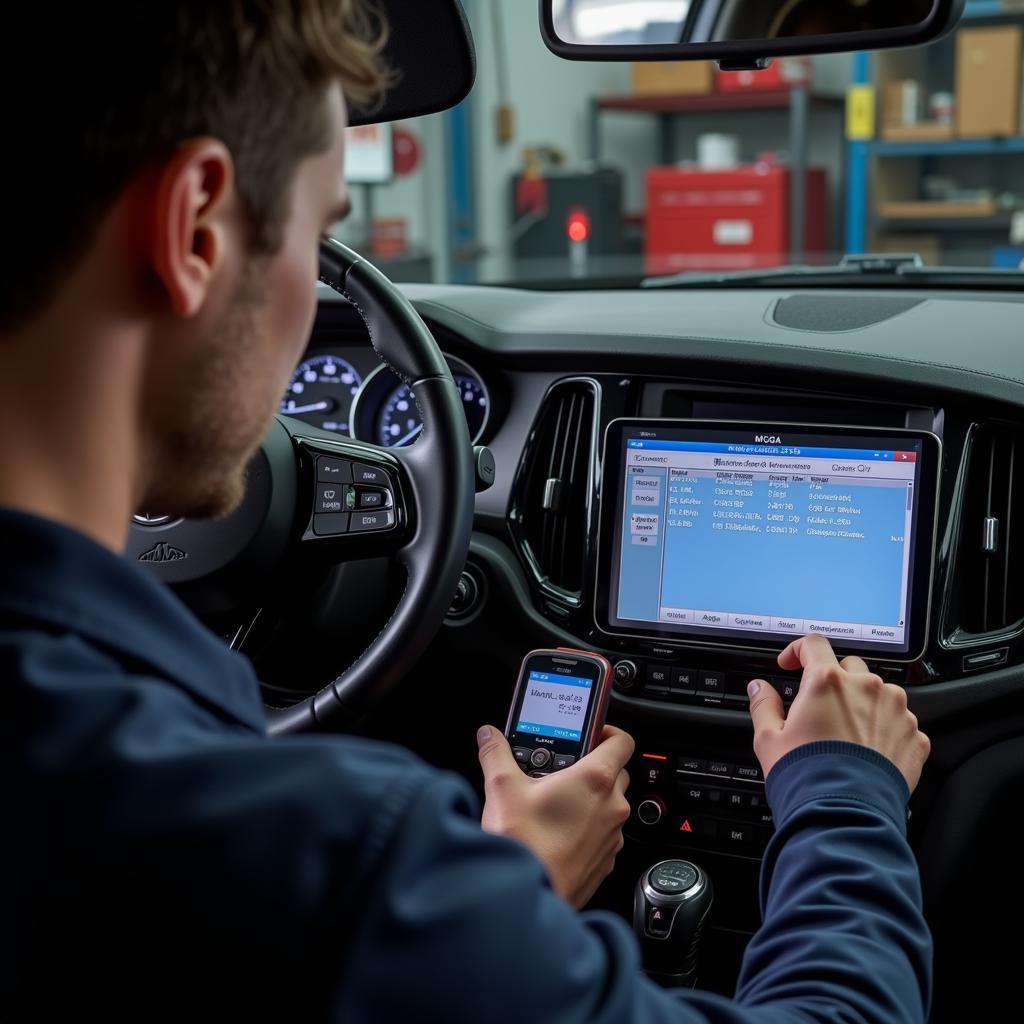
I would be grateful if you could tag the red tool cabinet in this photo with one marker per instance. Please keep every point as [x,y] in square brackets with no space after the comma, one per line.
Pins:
[727,220]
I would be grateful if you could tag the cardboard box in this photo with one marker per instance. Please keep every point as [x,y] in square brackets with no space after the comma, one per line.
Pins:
[922,208]
[685,78]
[927,131]
[902,103]
[988,81]
[782,73]
[928,247]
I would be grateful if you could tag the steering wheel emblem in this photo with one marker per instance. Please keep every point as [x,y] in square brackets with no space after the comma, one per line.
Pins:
[163,553]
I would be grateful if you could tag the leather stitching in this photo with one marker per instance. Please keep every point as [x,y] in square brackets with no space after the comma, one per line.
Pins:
[384,359]
[333,686]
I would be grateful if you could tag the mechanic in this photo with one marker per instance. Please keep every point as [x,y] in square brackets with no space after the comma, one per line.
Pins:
[169,173]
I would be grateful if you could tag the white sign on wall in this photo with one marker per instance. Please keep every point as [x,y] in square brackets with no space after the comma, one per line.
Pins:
[369,159]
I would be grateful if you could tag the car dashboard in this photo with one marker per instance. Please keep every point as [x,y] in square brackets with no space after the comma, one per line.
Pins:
[544,375]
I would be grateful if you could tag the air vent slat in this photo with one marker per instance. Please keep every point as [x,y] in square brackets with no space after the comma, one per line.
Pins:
[552,501]
[554,466]
[988,595]
[1008,536]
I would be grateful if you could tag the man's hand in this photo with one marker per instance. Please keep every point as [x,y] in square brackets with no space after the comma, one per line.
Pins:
[572,819]
[836,701]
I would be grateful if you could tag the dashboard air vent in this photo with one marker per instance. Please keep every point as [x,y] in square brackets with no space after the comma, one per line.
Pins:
[552,509]
[990,562]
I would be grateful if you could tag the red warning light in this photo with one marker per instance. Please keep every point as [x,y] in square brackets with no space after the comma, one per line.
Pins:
[686,826]
[578,225]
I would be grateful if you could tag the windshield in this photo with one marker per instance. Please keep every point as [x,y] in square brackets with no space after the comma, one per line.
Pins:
[556,173]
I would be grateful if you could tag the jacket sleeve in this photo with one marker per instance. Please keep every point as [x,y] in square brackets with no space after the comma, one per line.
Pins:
[455,925]
[840,892]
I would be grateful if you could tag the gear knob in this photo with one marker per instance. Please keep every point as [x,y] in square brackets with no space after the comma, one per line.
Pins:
[670,906]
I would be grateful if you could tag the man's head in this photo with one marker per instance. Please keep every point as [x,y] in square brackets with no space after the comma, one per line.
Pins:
[176,165]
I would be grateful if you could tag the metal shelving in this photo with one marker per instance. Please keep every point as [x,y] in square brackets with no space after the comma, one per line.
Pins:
[997,222]
[797,100]
[860,153]
[947,147]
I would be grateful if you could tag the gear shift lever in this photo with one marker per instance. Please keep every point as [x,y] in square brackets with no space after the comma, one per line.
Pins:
[669,909]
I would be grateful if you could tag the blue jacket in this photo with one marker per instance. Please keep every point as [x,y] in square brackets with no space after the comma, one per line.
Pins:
[163,859]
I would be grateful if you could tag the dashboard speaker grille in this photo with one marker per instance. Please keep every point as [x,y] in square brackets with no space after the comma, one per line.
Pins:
[553,498]
[990,560]
[831,314]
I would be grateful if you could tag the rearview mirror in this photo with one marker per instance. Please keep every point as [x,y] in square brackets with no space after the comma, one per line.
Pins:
[740,33]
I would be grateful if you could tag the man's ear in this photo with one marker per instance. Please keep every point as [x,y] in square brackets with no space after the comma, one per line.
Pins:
[192,217]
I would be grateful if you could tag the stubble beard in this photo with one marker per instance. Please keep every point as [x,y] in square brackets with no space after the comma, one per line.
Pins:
[213,424]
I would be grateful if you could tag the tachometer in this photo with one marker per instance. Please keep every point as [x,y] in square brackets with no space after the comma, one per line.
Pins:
[399,420]
[321,393]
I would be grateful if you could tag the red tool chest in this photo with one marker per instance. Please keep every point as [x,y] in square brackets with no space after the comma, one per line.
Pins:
[727,220]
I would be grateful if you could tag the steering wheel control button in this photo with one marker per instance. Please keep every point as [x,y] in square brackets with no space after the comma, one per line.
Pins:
[561,761]
[673,878]
[369,475]
[329,499]
[331,525]
[541,757]
[370,497]
[522,754]
[333,471]
[364,522]
[650,811]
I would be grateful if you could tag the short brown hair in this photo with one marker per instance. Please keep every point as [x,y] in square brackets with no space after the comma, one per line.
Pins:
[95,92]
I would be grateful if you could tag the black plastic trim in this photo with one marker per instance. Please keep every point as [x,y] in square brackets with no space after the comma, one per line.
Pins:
[943,19]
[933,703]
[430,49]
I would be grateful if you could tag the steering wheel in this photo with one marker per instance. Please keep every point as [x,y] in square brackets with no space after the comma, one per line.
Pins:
[311,495]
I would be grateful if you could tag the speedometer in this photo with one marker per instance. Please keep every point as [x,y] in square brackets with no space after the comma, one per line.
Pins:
[385,410]
[321,393]
[399,419]
[400,422]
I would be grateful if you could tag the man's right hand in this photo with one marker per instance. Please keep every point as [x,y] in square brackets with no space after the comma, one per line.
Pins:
[571,819]
[836,701]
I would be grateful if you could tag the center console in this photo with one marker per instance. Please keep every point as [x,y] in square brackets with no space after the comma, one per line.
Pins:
[720,542]
[690,530]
